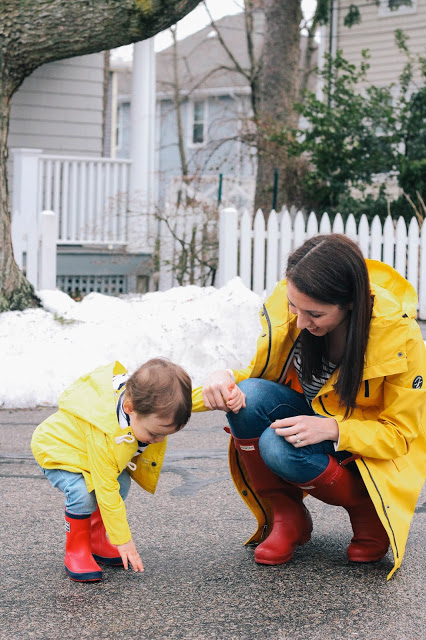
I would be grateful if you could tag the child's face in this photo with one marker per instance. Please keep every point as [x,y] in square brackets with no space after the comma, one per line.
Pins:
[148,428]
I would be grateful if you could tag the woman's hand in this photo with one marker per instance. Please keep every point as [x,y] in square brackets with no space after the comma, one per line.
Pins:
[128,554]
[221,392]
[303,430]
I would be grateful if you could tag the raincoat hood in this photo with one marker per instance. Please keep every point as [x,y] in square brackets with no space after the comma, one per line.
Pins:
[88,399]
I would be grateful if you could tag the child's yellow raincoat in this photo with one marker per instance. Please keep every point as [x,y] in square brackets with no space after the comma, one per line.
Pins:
[388,425]
[84,436]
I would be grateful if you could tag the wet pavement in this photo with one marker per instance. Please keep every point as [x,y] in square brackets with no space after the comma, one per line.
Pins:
[200,582]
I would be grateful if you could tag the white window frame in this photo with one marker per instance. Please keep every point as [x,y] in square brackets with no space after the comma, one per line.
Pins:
[192,122]
[119,126]
[386,12]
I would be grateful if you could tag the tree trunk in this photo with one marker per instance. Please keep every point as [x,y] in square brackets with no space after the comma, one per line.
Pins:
[279,80]
[33,32]
[16,292]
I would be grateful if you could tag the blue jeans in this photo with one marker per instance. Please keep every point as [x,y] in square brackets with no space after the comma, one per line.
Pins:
[269,401]
[77,498]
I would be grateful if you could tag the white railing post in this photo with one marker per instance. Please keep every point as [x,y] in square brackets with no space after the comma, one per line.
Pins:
[24,210]
[228,246]
[47,258]
[141,221]
[422,283]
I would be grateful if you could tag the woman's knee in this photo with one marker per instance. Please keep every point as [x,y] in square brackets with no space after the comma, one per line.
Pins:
[252,420]
[276,452]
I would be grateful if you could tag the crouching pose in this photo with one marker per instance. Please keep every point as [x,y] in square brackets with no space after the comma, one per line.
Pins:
[333,404]
[109,427]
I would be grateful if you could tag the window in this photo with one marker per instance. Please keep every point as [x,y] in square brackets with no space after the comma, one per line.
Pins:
[390,8]
[198,122]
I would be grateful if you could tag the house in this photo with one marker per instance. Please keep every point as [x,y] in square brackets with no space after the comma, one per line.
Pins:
[58,161]
[214,114]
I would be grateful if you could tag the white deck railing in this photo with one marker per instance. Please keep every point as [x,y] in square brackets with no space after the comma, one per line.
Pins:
[89,196]
[258,252]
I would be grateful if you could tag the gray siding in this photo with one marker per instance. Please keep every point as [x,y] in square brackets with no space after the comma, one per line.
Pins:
[59,108]
[376,32]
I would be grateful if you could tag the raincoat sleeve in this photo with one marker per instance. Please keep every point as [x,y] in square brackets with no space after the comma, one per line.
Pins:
[104,473]
[390,434]
[197,395]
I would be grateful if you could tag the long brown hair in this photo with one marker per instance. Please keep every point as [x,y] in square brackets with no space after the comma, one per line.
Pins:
[331,269]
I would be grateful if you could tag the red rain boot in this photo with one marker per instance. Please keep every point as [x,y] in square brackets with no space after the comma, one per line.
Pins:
[102,550]
[79,562]
[339,486]
[292,523]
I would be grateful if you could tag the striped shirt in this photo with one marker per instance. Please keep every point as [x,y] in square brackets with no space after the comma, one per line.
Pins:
[311,389]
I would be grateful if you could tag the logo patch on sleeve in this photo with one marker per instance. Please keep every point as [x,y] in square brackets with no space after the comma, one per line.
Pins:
[418,382]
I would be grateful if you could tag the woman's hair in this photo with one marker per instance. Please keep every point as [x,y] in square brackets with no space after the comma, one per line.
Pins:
[161,387]
[331,269]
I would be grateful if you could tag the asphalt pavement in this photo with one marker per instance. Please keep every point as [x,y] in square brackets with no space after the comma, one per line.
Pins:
[200,582]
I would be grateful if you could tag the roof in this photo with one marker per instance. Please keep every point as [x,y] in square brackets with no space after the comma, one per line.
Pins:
[204,66]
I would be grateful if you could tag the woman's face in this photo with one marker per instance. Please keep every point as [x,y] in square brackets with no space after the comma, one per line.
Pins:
[317,317]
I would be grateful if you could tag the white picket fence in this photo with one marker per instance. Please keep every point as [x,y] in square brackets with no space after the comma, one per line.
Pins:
[258,252]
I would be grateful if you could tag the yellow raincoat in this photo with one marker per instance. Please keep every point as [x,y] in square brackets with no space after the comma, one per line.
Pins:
[84,436]
[388,426]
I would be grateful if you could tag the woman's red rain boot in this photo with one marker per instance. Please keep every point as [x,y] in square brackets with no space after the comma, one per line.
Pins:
[102,550]
[339,486]
[292,523]
[79,562]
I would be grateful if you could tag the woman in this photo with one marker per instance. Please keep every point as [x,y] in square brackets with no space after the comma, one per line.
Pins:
[333,404]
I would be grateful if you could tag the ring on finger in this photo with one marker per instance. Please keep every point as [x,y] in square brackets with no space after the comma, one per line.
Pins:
[297,438]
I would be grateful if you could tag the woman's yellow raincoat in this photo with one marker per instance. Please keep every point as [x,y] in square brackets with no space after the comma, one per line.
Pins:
[388,426]
[84,436]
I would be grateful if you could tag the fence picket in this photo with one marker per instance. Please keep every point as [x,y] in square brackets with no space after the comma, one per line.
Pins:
[401,247]
[376,239]
[299,229]
[413,252]
[245,248]
[272,268]
[325,224]
[259,253]
[350,229]
[286,237]
[312,226]
[364,236]
[338,226]
[389,242]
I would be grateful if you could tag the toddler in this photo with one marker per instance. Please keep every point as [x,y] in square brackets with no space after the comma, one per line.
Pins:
[109,427]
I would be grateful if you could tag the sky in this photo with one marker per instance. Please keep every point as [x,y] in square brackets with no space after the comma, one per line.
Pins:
[197,19]
[45,350]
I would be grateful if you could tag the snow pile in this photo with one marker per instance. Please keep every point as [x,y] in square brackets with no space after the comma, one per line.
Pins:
[202,329]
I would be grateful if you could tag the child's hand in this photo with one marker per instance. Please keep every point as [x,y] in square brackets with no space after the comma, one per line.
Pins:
[128,553]
[236,399]
[216,390]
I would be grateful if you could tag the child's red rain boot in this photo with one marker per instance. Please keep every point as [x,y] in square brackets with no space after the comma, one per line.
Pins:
[79,562]
[339,486]
[102,550]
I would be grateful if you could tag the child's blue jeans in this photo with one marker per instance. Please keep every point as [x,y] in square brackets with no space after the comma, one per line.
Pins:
[77,498]
[266,402]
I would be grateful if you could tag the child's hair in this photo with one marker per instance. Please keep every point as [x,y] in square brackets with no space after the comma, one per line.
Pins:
[331,269]
[161,387]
